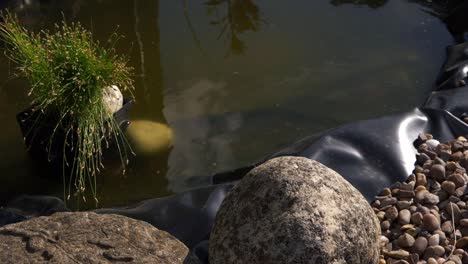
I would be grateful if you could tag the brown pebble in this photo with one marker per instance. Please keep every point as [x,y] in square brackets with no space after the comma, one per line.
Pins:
[404,205]
[385,225]
[406,193]
[458,179]
[420,179]
[447,227]
[388,201]
[397,254]
[405,240]
[439,251]
[434,240]
[451,165]
[449,187]
[420,245]
[430,222]
[416,218]
[464,222]
[438,172]
[462,243]
[453,209]
[404,217]
[385,192]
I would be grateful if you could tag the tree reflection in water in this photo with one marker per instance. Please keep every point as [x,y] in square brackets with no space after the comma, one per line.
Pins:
[239,16]
[369,3]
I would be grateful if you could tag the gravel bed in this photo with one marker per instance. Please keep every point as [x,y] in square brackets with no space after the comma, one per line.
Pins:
[425,218]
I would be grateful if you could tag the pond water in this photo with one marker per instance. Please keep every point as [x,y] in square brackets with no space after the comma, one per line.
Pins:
[235,80]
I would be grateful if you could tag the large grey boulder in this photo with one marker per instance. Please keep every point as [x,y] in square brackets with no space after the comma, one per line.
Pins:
[294,210]
[88,238]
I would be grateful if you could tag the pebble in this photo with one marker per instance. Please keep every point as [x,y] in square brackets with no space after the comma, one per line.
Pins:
[430,222]
[397,254]
[405,240]
[447,227]
[420,245]
[434,240]
[432,143]
[424,220]
[449,187]
[416,218]
[404,217]
[391,214]
[458,179]
[438,172]
[388,201]
[464,222]
[462,243]
[421,179]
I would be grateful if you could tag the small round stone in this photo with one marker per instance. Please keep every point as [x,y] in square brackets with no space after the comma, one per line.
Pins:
[464,222]
[385,225]
[447,227]
[430,222]
[438,172]
[405,240]
[417,218]
[391,213]
[432,143]
[420,245]
[434,240]
[458,179]
[421,179]
[439,251]
[449,187]
[404,217]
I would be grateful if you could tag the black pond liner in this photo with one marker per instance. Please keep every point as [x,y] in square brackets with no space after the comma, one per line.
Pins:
[37,129]
[370,154]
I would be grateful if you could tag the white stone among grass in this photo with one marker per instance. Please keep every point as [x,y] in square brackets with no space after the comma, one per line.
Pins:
[113,98]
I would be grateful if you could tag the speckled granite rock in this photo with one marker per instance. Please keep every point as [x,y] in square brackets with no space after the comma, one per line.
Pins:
[294,210]
[88,238]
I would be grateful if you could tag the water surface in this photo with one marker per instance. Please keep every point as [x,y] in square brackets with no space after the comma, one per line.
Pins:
[236,80]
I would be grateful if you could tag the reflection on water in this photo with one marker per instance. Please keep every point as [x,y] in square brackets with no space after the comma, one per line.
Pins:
[299,68]
[233,17]
[369,3]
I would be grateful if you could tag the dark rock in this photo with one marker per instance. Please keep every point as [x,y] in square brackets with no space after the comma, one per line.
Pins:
[294,210]
[88,238]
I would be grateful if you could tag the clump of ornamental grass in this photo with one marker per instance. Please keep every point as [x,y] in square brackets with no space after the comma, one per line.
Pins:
[67,71]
